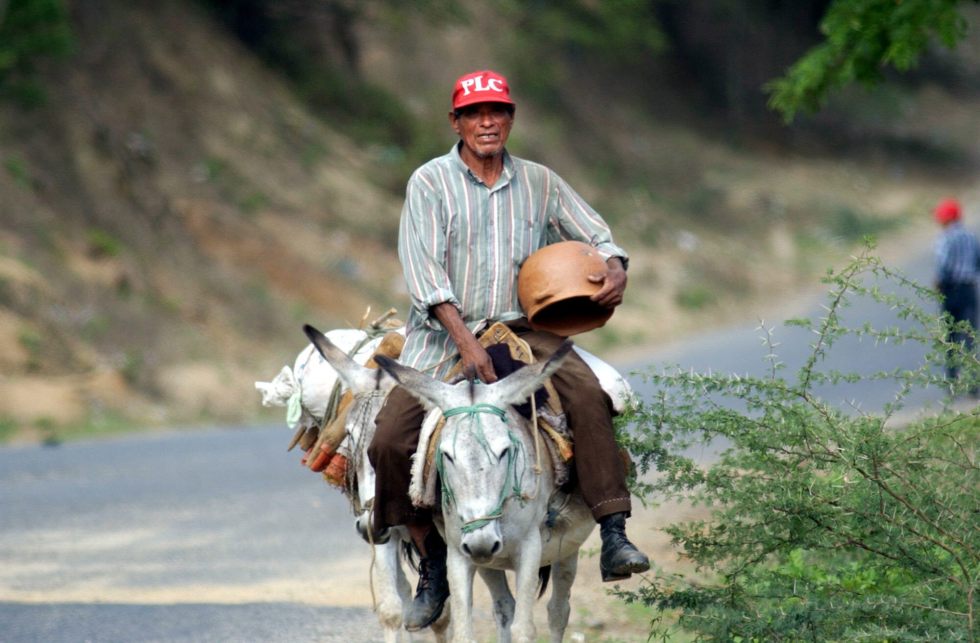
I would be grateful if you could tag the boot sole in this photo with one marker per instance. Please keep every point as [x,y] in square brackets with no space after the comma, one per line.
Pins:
[625,571]
[435,617]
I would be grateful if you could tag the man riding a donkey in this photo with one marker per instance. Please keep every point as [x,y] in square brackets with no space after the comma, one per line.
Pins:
[470,220]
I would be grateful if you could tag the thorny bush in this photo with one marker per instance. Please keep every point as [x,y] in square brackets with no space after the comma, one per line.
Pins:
[824,523]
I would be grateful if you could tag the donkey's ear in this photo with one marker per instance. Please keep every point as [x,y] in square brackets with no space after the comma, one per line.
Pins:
[357,378]
[521,384]
[429,391]
[325,347]
[560,353]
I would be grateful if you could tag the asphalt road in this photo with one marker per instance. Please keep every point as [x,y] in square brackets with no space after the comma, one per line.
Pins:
[186,536]
[221,536]
[742,349]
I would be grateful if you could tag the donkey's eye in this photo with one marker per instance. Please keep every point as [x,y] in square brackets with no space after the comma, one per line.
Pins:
[503,454]
[447,458]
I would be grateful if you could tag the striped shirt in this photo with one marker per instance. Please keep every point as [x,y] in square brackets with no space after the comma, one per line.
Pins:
[957,255]
[463,242]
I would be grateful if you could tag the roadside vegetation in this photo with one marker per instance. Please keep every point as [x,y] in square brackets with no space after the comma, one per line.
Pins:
[824,523]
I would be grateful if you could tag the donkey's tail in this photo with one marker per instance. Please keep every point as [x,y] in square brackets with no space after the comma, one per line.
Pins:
[544,575]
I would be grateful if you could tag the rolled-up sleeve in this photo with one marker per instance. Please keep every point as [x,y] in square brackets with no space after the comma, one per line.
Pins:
[422,251]
[571,217]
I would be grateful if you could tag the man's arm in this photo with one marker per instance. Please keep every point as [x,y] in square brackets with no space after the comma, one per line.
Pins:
[473,356]
[575,219]
[613,283]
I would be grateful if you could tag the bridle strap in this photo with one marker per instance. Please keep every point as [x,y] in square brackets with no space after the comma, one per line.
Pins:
[475,409]
[510,485]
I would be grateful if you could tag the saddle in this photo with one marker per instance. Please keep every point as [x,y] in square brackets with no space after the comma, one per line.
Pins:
[546,413]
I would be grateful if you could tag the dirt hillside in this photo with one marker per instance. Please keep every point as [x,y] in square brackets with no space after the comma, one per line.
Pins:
[173,213]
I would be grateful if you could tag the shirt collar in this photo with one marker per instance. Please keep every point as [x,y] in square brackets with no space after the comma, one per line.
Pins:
[505,176]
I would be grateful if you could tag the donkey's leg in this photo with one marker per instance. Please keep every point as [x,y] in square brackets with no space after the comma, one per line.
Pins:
[460,571]
[441,625]
[503,601]
[526,572]
[398,540]
[388,576]
[562,577]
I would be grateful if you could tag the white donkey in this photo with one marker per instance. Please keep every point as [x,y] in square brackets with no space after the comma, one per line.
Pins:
[495,501]
[369,387]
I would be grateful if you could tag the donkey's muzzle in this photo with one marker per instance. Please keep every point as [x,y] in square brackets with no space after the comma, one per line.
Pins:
[481,548]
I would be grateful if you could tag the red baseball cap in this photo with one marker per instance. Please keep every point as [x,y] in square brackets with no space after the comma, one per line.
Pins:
[947,211]
[481,87]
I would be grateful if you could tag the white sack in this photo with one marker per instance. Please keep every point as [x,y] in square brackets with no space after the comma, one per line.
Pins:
[306,388]
[614,384]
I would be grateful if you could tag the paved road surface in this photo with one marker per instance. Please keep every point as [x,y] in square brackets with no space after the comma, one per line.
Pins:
[286,622]
[741,350]
[194,536]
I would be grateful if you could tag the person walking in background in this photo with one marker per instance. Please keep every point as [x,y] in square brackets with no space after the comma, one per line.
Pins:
[957,268]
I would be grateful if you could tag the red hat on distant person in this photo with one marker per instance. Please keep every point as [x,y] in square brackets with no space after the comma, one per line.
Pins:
[481,87]
[947,211]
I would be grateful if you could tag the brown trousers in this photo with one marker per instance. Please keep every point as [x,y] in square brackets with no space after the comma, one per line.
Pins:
[598,466]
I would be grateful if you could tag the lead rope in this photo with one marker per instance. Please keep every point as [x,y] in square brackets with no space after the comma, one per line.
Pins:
[374,556]
[357,454]
[537,434]
[376,327]
[357,461]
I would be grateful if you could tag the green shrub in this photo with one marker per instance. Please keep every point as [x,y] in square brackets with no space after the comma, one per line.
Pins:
[621,34]
[30,30]
[50,431]
[8,427]
[253,202]
[32,342]
[7,293]
[17,169]
[824,525]
[851,225]
[133,367]
[694,297]
[211,169]
[101,244]
[96,328]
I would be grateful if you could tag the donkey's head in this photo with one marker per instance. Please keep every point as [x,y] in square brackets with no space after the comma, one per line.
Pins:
[482,457]
[370,387]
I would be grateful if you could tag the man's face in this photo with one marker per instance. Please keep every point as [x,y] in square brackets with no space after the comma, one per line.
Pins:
[483,128]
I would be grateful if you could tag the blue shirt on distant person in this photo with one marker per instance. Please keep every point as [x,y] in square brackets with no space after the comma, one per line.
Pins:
[957,265]
[957,256]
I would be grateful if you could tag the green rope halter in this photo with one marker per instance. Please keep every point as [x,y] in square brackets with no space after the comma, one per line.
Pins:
[511,485]
[476,408]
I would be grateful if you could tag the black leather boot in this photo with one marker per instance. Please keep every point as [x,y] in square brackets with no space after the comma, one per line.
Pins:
[619,559]
[433,588]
